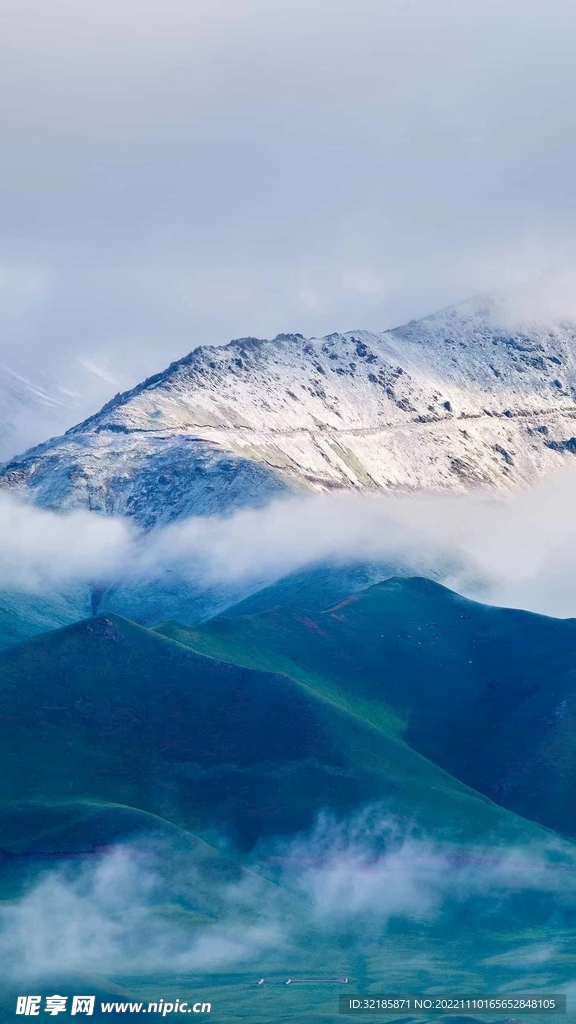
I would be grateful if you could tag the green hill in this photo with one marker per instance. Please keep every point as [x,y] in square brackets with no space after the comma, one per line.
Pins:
[489,694]
[247,728]
[109,711]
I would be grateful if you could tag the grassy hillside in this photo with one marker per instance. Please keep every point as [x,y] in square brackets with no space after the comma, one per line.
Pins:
[487,693]
[316,588]
[109,730]
[106,710]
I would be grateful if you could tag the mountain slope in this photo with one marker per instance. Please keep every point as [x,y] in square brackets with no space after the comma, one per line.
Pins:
[111,732]
[24,615]
[31,408]
[111,712]
[489,694]
[449,402]
[36,402]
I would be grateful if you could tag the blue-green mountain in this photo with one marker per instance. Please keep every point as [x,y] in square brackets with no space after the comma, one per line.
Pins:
[226,741]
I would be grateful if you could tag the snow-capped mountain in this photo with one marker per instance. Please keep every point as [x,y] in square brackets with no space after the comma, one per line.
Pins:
[450,402]
[32,407]
[40,401]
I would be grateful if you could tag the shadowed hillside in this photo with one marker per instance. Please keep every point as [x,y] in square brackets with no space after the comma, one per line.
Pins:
[207,762]
[487,693]
[109,711]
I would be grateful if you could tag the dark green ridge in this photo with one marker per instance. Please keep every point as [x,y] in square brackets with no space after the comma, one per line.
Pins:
[110,711]
[109,730]
[487,693]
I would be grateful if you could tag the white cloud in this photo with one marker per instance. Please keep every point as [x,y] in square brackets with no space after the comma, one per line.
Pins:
[520,552]
[124,911]
[112,915]
[39,548]
[550,298]
[372,866]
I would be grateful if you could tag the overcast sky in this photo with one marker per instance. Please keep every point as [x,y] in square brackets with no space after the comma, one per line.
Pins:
[186,171]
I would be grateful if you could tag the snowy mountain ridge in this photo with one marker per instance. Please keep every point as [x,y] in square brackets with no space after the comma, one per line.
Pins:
[450,402]
[29,407]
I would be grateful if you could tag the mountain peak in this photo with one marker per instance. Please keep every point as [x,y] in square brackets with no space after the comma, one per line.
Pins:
[450,402]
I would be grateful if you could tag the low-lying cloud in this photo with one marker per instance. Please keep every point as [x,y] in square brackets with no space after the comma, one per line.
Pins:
[133,910]
[39,548]
[373,867]
[518,552]
[113,915]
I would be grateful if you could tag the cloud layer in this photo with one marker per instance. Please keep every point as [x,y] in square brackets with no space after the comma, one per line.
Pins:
[520,552]
[112,915]
[134,909]
[40,549]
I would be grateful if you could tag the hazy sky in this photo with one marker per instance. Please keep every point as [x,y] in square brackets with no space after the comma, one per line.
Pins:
[189,171]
